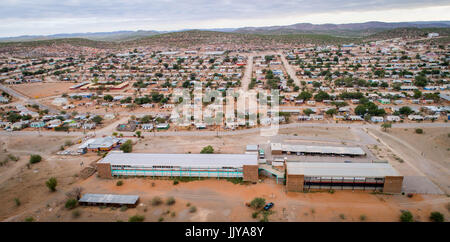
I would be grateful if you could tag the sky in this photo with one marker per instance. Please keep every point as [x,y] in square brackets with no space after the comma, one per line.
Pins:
[45,17]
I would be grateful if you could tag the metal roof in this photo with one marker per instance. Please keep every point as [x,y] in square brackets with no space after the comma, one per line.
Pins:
[318,149]
[186,160]
[328,169]
[109,198]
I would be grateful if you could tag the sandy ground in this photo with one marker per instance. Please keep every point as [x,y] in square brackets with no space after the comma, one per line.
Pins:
[45,89]
[427,154]
[215,200]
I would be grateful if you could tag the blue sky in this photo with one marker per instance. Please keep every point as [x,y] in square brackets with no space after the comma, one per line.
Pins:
[36,17]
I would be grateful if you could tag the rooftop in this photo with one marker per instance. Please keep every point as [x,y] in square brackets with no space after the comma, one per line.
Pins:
[109,198]
[192,160]
[318,149]
[328,169]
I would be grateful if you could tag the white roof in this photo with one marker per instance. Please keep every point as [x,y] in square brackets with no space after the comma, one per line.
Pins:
[328,169]
[192,160]
[318,149]
[109,198]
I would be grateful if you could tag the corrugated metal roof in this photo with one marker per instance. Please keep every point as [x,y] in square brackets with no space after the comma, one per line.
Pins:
[328,169]
[109,198]
[191,160]
[318,149]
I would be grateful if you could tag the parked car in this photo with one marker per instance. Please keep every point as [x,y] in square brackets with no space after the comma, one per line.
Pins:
[268,206]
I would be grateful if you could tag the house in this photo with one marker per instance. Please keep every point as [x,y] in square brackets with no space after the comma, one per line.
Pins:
[128,127]
[89,126]
[162,126]
[355,118]
[377,119]
[415,117]
[38,124]
[99,144]
[4,99]
[393,118]
[60,101]
[147,126]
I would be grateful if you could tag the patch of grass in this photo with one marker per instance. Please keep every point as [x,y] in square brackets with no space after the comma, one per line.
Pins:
[136,218]
[238,180]
[123,208]
[342,216]
[29,219]
[331,191]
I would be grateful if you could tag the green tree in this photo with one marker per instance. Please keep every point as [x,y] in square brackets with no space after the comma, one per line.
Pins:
[35,159]
[406,216]
[51,184]
[138,133]
[207,150]
[108,98]
[436,217]
[97,119]
[331,111]
[319,97]
[258,202]
[386,126]
[127,147]
[304,95]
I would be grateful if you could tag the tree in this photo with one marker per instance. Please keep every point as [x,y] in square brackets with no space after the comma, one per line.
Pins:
[51,184]
[97,119]
[207,150]
[71,203]
[304,95]
[436,217]
[331,111]
[420,81]
[417,94]
[258,203]
[406,216]
[386,126]
[108,98]
[35,159]
[138,133]
[308,111]
[127,147]
[319,97]
[136,218]
[405,110]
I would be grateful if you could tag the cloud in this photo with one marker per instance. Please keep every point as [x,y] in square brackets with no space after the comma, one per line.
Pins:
[56,16]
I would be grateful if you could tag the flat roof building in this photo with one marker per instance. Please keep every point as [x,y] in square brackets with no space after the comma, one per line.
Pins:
[109,200]
[183,165]
[326,175]
[279,149]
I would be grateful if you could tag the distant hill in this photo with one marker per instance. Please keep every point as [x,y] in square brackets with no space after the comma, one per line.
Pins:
[101,36]
[347,30]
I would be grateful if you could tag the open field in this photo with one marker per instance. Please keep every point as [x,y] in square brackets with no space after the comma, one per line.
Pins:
[45,89]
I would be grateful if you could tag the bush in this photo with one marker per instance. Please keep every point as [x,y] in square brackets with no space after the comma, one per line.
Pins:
[29,219]
[123,208]
[207,150]
[363,217]
[406,216]
[76,213]
[419,131]
[35,159]
[71,203]
[51,184]
[258,203]
[254,214]
[160,219]
[136,218]
[193,209]
[156,201]
[170,201]
[175,182]
[127,147]
[436,217]
[119,183]
[17,201]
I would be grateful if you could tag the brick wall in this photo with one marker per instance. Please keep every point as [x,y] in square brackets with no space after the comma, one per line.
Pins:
[294,183]
[104,170]
[393,184]
[250,173]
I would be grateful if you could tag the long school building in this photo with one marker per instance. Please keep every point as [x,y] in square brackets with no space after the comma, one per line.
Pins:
[302,176]
[180,165]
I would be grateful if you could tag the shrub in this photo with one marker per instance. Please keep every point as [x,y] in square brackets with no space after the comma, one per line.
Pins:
[17,201]
[123,208]
[156,201]
[160,219]
[127,147]
[175,182]
[71,203]
[342,216]
[207,150]
[51,184]
[193,209]
[258,203]
[173,214]
[406,216]
[35,159]
[76,213]
[362,217]
[254,214]
[419,131]
[136,218]
[436,217]
[170,201]
[119,183]
[29,219]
